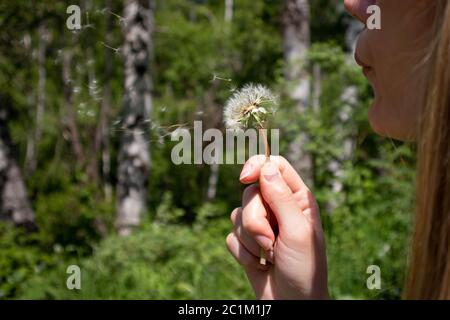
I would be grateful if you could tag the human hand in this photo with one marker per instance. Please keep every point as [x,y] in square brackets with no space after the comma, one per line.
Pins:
[281,216]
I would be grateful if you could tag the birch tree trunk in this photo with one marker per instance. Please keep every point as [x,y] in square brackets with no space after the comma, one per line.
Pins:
[214,119]
[134,154]
[94,94]
[14,204]
[71,113]
[296,42]
[212,182]
[33,141]
[102,136]
[214,171]
[228,16]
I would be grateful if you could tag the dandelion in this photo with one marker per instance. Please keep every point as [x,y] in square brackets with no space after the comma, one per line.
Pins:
[252,107]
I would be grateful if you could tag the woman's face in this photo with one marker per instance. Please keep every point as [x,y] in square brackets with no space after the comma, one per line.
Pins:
[393,60]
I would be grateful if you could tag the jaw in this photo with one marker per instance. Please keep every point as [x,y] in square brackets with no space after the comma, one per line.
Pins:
[391,125]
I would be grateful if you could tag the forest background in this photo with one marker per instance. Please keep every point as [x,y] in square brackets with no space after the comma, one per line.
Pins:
[85,120]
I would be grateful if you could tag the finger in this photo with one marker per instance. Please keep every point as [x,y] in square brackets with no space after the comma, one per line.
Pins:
[249,243]
[254,220]
[242,255]
[252,170]
[309,207]
[277,194]
[234,214]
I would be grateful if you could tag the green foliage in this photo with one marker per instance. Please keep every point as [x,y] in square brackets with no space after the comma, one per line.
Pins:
[20,259]
[157,262]
[199,59]
[370,226]
[72,217]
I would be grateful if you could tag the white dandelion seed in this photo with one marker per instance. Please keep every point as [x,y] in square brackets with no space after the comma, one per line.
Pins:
[250,106]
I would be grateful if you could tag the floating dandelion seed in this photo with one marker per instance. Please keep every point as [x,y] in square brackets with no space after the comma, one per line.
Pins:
[252,107]
[216,77]
[102,11]
[116,50]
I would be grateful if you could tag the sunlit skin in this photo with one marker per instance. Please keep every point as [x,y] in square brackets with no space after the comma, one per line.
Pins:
[393,60]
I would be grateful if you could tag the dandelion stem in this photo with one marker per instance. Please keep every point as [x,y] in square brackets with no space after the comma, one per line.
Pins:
[266,143]
[262,252]
[262,256]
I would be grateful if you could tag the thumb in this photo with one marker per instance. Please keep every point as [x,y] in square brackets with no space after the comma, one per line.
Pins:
[280,198]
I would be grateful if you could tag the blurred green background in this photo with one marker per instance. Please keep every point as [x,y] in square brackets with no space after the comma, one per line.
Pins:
[200,52]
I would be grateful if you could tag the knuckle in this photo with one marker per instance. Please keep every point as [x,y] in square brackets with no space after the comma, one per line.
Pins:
[229,240]
[255,157]
[255,160]
[278,194]
[234,214]
[349,5]
[311,200]
[281,159]
[232,248]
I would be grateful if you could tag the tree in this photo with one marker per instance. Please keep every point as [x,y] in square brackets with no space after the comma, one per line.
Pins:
[102,132]
[296,42]
[34,139]
[70,118]
[14,204]
[215,116]
[134,153]
[228,15]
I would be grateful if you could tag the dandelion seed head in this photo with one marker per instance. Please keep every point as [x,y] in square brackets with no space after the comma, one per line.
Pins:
[253,103]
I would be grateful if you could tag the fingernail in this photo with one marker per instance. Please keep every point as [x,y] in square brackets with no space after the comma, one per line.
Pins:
[246,171]
[270,172]
[264,242]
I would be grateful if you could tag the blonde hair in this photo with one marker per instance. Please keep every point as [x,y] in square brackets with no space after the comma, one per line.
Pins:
[429,265]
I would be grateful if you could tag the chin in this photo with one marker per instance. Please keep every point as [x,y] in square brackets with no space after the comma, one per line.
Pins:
[382,124]
[375,121]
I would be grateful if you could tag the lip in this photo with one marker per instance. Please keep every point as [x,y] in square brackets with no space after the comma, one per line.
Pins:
[365,67]
[360,62]
[367,71]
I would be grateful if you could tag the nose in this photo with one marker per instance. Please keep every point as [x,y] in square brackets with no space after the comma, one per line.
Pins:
[358,8]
